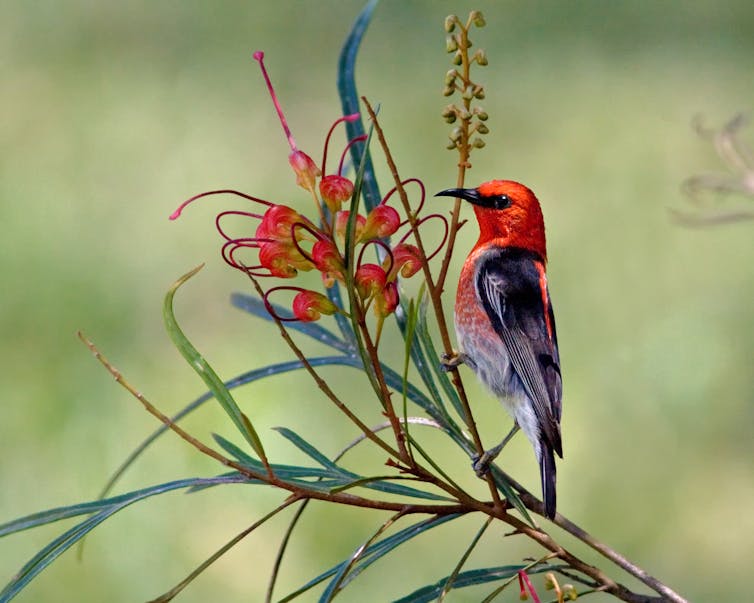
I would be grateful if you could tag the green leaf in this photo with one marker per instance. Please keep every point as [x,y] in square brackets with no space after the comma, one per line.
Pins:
[350,479]
[205,371]
[374,552]
[430,593]
[462,561]
[307,448]
[52,515]
[171,594]
[243,379]
[349,99]
[255,306]
[104,509]
[430,353]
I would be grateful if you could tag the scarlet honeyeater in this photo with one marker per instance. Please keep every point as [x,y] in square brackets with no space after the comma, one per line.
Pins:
[504,321]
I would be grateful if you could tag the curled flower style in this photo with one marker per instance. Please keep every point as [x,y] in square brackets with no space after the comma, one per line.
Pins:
[286,242]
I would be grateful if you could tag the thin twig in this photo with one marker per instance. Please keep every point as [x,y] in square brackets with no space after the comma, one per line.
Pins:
[435,296]
[335,497]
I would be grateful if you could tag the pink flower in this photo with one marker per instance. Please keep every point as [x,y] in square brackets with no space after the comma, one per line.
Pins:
[370,279]
[406,259]
[306,170]
[335,191]
[282,259]
[381,222]
[310,305]
[341,224]
[277,223]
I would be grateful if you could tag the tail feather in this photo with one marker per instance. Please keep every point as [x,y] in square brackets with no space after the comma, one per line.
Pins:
[548,474]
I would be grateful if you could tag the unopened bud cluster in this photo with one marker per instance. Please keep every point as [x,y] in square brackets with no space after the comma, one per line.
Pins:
[469,120]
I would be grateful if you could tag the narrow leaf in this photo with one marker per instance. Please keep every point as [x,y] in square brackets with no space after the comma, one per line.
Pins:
[307,448]
[205,371]
[243,379]
[349,99]
[170,595]
[256,307]
[59,545]
[430,593]
[462,561]
[375,551]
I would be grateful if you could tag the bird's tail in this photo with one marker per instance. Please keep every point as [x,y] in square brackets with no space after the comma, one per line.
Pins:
[548,473]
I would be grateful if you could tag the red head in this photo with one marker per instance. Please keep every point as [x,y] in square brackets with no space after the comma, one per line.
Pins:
[508,213]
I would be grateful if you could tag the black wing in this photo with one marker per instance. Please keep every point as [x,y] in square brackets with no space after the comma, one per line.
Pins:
[514,294]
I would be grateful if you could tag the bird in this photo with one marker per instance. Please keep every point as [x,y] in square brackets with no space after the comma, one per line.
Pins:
[504,322]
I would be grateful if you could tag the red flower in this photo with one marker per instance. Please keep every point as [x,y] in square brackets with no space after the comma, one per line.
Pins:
[406,259]
[310,305]
[381,222]
[335,191]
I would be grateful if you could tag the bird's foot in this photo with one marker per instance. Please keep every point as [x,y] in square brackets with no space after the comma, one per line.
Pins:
[481,462]
[450,361]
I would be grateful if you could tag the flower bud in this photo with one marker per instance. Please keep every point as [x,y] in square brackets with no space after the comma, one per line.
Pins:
[387,301]
[326,257]
[450,23]
[306,170]
[477,18]
[275,256]
[309,306]
[406,259]
[480,57]
[335,190]
[451,44]
[449,114]
[370,280]
[341,224]
[277,222]
[381,222]
[478,143]
[482,129]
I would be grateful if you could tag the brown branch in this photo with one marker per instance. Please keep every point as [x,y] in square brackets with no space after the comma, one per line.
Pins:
[343,498]
[322,384]
[435,295]
[466,504]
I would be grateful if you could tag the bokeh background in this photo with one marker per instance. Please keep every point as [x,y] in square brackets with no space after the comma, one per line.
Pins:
[112,113]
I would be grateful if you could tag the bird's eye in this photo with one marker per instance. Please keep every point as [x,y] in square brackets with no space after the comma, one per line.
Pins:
[502,201]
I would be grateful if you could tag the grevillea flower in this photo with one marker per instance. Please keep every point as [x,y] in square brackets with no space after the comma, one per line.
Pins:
[286,242]
[306,170]
[341,225]
[283,260]
[335,191]
[406,260]
[373,286]
[310,305]
[277,223]
[383,221]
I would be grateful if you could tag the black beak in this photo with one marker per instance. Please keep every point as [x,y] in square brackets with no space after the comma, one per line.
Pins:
[469,194]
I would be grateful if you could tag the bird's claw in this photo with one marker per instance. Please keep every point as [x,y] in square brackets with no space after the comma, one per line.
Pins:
[481,463]
[450,361]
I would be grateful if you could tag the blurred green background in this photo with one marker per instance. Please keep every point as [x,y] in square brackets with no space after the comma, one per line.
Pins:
[113,113]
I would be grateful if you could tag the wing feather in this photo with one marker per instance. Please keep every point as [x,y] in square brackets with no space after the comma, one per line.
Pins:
[510,284]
